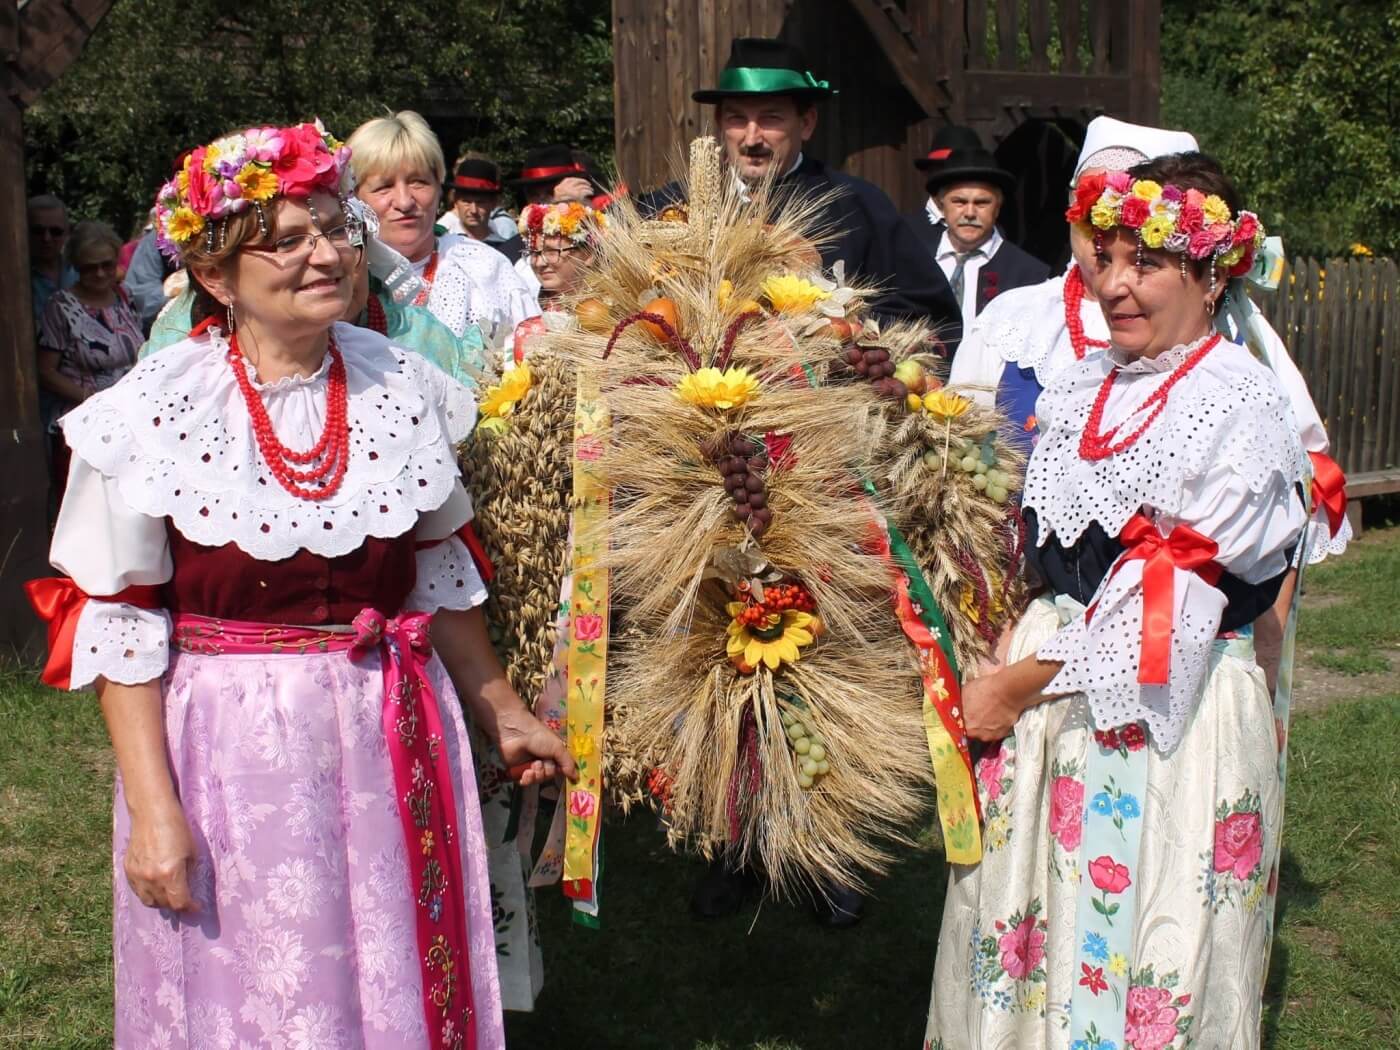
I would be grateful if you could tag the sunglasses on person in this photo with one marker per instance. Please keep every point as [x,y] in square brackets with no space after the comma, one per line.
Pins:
[99,266]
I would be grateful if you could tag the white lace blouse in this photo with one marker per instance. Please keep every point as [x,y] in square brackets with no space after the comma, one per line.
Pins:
[1224,458]
[475,284]
[174,440]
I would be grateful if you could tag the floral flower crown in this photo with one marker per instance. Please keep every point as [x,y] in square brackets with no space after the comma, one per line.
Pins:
[578,222]
[247,169]
[1188,222]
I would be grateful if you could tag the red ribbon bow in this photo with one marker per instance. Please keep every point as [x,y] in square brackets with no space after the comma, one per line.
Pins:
[1184,549]
[1329,489]
[59,602]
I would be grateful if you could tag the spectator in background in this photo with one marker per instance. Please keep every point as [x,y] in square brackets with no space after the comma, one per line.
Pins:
[145,279]
[88,333]
[48,230]
[945,140]
[475,210]
[552,173]
[143,226]
[979,263]
[399,171]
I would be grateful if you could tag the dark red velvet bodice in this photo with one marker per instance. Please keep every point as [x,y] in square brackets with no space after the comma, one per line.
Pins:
[305,589]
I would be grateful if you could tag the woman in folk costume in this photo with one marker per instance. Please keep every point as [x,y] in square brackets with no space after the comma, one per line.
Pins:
[1028,336]
[399,171]
[296,812]
[372,305]
[1134,805]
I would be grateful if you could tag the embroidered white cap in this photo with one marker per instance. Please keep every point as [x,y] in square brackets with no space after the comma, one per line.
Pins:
[1109,143]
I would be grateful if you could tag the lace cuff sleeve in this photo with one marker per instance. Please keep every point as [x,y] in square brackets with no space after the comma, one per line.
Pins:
[447,579]
[120,642]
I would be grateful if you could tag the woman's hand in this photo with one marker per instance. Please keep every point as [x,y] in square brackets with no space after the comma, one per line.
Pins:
[573,188]
[158,859]
[525,740]
[990,709]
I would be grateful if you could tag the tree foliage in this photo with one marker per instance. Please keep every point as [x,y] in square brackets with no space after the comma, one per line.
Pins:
[1299,99]
[161,76]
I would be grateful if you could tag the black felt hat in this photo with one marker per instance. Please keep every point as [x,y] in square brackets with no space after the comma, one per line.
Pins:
[476,175]
[548,164]
[762,66]
[971,165]
[946,139]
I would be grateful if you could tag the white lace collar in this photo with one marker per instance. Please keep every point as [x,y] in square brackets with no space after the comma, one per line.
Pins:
[1166,361]
[176,436]
[1227,412]
[1026,326]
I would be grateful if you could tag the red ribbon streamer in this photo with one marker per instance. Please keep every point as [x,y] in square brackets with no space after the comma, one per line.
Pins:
[59,602]
[1184,549]
[1329,489]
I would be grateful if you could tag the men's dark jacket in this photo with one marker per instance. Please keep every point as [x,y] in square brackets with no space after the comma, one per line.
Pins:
[1011,267]
[873,240]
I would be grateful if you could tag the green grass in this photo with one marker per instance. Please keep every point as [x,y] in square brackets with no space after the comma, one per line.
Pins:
[769,979]
[1351,612]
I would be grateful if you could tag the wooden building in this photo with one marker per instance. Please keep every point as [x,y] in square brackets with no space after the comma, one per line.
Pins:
[1026,74]
[39,39]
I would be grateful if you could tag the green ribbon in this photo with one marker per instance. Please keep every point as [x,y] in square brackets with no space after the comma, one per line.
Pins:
[919,591]
[752,80]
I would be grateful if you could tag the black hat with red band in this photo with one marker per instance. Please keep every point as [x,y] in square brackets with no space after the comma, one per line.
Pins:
[476,175]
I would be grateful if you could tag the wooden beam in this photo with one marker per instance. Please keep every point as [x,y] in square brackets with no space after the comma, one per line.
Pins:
[915,72]
[52,34]
[1039,93]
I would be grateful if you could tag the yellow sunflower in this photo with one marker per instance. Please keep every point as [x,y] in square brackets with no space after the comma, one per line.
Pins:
[779,641]
[258,183]
[791,294]
[501,399]
[711,388]
[184,224]
[944,405]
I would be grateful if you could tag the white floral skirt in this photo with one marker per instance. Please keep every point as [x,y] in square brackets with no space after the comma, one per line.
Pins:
[1007,959]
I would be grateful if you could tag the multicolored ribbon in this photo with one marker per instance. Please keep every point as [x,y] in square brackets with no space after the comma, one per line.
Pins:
[588,650]
[1184,549]
[60,603]
[422,786]
[923,624]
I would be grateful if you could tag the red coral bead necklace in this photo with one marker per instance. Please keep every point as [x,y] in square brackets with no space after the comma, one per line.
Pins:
[323,480]
[1074,319]
[1096,443]
[429,272]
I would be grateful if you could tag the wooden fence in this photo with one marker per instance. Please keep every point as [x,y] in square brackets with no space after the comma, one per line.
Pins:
[1341,321]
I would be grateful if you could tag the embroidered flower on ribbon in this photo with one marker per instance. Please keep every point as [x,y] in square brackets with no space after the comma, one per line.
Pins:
[1091,977]
[1109,877]
[582,804]
[588,627]
[1095,947]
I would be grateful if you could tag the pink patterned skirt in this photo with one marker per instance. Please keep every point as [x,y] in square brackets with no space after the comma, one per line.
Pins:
[306,935]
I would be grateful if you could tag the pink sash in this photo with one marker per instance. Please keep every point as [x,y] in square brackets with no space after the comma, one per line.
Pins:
[422,786]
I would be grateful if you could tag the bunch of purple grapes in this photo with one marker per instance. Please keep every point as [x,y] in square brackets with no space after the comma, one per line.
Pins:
[874,364]
[744,461]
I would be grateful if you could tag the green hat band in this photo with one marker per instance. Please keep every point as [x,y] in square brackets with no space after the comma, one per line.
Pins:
[757,81]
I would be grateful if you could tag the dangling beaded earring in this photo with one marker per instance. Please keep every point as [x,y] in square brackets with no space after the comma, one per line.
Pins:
[1182,257]
[262,218]
[228,311]
[1138,262]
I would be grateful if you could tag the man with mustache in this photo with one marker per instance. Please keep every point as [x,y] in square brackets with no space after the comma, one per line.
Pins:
[765,112]
[979,263]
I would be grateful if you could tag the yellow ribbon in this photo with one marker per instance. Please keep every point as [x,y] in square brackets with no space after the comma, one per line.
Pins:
[588,643]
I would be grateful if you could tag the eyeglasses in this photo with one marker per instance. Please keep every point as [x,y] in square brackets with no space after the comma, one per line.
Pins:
[346,238]
[551,255]
[56,232]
